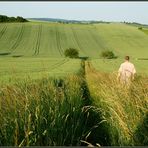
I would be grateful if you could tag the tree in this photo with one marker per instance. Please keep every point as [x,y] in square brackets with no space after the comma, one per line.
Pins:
[20,19]
[71,53]
[3,18]
[107,54]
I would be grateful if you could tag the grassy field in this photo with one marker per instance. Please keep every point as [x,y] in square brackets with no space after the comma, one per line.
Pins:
[12,69]
[51,39]
[49,100]
[74,110]
[124,40]
[125,109]
[41,113]
[28,44]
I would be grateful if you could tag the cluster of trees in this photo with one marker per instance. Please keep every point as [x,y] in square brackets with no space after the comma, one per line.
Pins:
[4,18]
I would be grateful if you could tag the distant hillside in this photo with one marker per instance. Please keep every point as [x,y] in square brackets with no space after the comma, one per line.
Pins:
[58,20]
[66,21]
[136,24]
[4,18]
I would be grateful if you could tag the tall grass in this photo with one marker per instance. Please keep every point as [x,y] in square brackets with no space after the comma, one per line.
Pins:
[123,107]
[45,112]
[71,112]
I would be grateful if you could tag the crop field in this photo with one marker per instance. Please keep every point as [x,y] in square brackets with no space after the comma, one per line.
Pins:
[49,100]
[124,39]
[51,39]
[36,68]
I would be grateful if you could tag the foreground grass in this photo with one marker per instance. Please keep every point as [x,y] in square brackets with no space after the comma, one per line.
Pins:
[124,108]
[51,112]
[91,108]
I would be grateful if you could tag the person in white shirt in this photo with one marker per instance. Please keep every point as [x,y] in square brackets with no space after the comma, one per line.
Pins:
[126,71]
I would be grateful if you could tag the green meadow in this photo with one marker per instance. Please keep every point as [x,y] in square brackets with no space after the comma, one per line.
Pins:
[12,69]
[49,100]
[51,39]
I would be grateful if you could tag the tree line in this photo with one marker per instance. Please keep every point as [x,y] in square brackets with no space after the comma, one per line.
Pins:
[4,18]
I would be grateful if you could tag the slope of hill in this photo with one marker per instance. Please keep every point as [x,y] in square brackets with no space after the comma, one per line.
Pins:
[124,39]
[51,39]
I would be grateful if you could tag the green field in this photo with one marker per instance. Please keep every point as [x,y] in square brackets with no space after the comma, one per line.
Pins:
[49,100]
[28,44]
[36,68]
[51,39]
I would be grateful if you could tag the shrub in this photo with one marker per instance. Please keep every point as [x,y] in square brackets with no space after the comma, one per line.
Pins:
[71,53]
[140,28]
[107,54]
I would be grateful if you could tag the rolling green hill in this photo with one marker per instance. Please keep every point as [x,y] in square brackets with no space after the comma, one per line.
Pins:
[51,39]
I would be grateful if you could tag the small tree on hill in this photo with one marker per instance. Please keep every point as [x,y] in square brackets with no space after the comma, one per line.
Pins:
[108,54]
[140,28]
[71,53]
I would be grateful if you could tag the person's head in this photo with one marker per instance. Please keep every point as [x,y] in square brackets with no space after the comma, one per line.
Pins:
[127,58]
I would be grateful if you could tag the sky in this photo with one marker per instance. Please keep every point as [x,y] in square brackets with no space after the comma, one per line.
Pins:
[117,11]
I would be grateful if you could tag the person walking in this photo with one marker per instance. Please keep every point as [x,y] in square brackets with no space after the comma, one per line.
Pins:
[126,71]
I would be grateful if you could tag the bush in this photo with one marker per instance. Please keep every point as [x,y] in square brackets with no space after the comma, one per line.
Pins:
[71,53]
[140,28]
[108,54]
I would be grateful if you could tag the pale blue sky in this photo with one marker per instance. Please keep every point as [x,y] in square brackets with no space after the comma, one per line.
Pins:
[107,11]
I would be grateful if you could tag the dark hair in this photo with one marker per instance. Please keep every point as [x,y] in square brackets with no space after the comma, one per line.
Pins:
[127,58]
